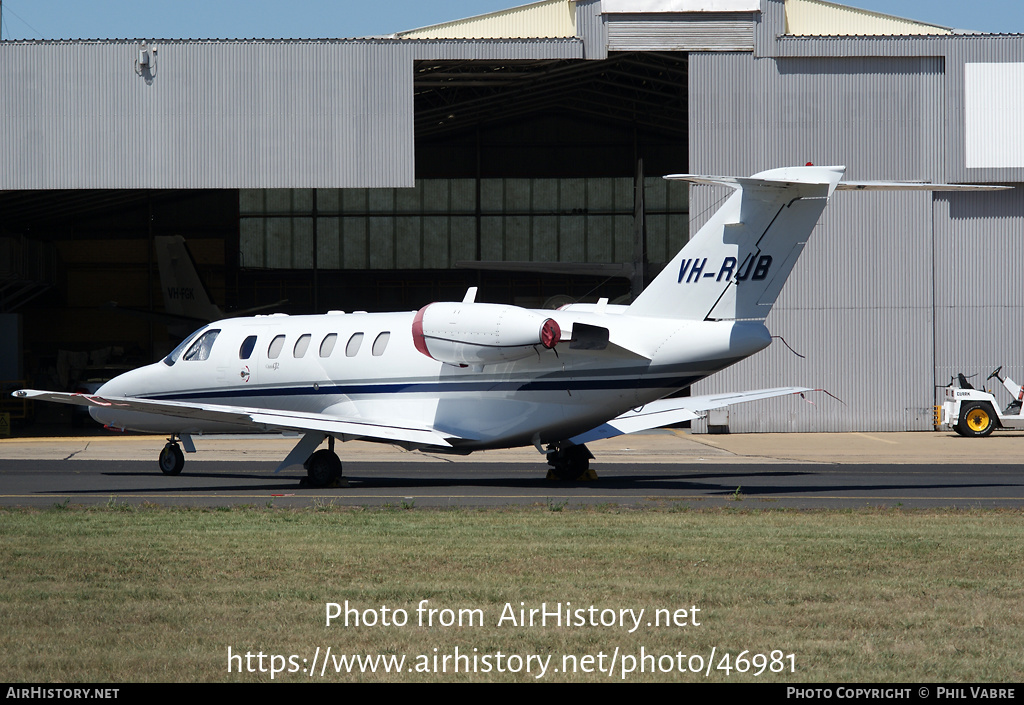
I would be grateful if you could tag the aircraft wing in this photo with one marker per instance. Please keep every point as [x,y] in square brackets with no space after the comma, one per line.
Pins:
[669,411]
[254,418]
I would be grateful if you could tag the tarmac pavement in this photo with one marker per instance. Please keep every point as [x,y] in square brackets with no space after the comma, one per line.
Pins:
[674,467]
[663,446]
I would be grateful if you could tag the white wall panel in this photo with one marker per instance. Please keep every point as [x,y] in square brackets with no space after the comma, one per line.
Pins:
[994,116]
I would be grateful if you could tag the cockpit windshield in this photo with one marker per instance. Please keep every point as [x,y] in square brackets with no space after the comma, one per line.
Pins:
[200,350]
[172,357]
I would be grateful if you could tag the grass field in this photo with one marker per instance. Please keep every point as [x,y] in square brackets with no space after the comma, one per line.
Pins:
[158,594]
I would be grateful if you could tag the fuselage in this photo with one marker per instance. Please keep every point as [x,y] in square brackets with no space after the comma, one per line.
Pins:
[366,367]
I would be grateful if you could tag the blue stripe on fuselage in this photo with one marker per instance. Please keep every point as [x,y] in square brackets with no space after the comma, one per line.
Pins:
[433,388]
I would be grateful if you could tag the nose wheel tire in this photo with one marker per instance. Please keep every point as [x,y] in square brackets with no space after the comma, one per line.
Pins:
[976,420]
[172,460]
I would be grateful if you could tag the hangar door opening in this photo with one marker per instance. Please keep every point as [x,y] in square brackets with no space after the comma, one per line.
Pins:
[516,161]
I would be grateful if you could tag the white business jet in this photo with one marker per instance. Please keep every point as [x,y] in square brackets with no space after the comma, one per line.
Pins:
[464,376]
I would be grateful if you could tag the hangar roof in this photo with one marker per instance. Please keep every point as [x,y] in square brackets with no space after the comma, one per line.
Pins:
[818,18]
[547,18]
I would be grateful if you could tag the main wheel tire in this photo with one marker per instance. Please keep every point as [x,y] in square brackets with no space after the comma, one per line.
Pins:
[563,469]
[172,460]
[977,420]
[569,463]
[323,468]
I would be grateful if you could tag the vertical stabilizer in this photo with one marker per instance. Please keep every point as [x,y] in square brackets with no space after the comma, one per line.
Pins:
[736,265]
[183,290]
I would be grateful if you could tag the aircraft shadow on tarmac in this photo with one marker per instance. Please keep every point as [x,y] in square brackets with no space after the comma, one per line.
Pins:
[673,479]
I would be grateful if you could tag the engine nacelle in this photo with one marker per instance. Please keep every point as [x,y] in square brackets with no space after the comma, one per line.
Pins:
[481,334]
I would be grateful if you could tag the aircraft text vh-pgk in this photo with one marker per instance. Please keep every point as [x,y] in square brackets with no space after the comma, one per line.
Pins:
[463,376]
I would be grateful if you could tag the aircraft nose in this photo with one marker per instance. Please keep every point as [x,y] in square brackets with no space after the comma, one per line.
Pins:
[111,388]
[128,384]
[101,414]
[120,386]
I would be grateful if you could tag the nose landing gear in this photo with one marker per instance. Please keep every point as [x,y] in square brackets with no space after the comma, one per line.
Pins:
[172,460]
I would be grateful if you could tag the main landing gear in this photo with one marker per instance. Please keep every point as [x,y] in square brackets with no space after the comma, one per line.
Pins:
[323,468]
[570,463]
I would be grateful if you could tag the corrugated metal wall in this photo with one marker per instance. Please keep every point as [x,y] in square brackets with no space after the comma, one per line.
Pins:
[209,115]
[221,114]
[955,52]
[860,303]
[591,28]
[959,52]
[895,292]
[685,31]
[491,49]
[979,285]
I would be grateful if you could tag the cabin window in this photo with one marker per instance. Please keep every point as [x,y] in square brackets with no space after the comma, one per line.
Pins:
[200,350]
[301,345]
[327,346]
[353,344]
[248,345]
[276,345]
[380,343]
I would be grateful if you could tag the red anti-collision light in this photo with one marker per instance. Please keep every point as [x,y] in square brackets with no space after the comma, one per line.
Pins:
[550,334]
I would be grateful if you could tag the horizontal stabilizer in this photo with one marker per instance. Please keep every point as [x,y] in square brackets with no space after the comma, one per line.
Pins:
[914,186]
[707,179]
[737,182]
[665,412]
[783,178]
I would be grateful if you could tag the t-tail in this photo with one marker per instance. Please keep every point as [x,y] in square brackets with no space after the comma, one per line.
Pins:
[185,295]
[736,265]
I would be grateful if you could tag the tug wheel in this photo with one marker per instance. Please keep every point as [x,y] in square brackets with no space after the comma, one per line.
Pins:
[977,420]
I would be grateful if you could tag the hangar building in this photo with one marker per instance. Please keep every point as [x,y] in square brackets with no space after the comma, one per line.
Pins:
[371,173]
